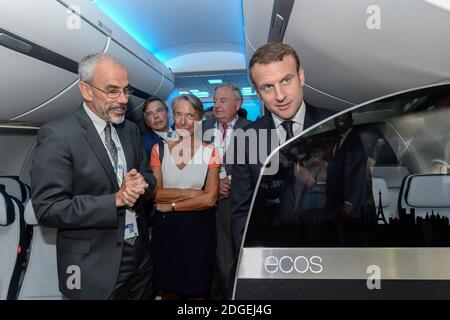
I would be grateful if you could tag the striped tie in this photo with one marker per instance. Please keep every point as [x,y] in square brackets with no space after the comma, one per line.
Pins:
[110,145]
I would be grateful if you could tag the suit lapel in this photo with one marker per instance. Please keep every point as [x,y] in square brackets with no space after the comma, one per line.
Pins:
[240,123]
[309,121]
[207,125]
[96,144]
[271,125]
[271,136]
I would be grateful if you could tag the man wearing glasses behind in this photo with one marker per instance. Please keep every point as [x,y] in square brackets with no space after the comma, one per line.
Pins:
[90,180]
[156,116]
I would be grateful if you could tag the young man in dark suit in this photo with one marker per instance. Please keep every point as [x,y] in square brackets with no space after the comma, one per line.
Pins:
[90,180]
[157,119]
[219,131]
[156,116]
[278,78]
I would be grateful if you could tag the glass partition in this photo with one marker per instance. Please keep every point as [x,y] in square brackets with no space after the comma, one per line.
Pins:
[346,182]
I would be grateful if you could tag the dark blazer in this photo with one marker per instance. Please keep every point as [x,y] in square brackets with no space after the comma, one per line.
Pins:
[347,177]
[72,189]
[245,175]
[148,140]
[210,124]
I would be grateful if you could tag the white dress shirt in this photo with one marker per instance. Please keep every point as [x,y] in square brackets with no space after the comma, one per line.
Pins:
[100,125]
[297,126]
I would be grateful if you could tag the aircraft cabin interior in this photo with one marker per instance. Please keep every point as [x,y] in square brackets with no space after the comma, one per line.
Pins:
[384,62]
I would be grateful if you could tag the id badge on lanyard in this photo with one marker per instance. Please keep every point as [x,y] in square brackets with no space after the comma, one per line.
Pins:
[131,227]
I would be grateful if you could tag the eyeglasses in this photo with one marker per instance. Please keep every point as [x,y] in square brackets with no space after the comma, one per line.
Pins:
[188,116]
[114,93]
[151,114]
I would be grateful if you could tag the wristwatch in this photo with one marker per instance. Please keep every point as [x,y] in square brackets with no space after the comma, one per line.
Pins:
[173,205]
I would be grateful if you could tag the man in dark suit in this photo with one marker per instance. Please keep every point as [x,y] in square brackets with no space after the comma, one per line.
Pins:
[90,180]
[278,78]
[346,173]
[156,116]
[219,131]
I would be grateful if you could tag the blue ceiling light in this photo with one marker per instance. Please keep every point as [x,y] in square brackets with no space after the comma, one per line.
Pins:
[253,107]
[197,93]
[215,81]
[201,94]
[248,91]
[118,12]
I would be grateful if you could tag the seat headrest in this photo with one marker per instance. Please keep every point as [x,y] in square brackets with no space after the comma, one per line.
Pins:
[15,188]
[393,175]
[428,191]
[7,210]
[379,185]
[30,217]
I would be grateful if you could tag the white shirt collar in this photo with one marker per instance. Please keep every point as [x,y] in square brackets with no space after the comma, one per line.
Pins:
[298,118]
[230,124]
[99,123]
[164,134]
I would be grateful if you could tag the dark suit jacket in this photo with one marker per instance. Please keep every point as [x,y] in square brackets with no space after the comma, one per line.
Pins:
[245,175]
[347,177]
[72,189]
[148,140]
[210,124]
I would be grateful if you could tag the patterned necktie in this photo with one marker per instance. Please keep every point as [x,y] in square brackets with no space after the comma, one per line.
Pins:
[224,140]
[224,131]
[110,145]
[287,125]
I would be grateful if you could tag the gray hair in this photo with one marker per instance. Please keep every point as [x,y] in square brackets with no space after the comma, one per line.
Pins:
[235,89]
[193,100]
[87,65]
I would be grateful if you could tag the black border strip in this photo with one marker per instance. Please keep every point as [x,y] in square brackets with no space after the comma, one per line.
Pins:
[284,9]
[43,54]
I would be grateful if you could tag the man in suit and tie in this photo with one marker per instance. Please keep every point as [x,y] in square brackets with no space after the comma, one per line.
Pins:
[156,116]
[278,78]
[90,180]
[219,131]
[346,174]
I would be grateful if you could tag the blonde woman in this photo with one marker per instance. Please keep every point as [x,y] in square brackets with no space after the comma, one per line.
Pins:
[184,232]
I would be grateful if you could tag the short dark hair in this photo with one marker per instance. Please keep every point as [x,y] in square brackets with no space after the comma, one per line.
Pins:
[272,52]
[193,100]
[242,113]
[150,100]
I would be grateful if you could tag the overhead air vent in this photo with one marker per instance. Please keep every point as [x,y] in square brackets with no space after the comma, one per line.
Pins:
[14,43]
[280,18]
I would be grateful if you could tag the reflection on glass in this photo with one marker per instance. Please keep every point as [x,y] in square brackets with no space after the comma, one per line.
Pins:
[342,184]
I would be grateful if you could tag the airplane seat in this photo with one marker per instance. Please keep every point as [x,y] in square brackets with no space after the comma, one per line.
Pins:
[16,188]
[380,186]
[41,275]
[393,176]
[427,194]
[12,240]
